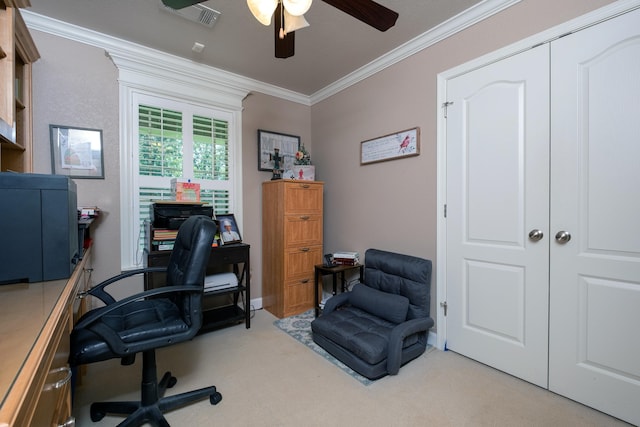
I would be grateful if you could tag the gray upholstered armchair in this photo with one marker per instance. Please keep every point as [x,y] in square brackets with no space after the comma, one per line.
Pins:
[383,323]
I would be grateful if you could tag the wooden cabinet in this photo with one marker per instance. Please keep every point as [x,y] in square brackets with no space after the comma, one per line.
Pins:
[35,380]
[291,244]
[17,53]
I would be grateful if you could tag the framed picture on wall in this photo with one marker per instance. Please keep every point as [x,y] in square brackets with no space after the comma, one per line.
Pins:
[228,228]
[76,152]
[397,145]
[268,142]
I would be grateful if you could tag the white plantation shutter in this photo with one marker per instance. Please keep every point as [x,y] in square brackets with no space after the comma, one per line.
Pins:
[179,140]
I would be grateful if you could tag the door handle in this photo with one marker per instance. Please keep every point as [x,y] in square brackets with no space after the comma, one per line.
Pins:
[563,237]
[536,235]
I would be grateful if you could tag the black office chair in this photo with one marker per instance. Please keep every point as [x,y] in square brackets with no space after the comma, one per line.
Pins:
[152,319]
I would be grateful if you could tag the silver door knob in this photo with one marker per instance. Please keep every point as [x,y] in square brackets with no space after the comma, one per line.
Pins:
[563,237]
[536,235]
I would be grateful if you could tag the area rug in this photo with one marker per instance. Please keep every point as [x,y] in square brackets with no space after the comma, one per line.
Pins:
[299,327]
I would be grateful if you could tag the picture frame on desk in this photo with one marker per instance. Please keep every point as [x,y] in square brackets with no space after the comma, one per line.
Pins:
[228,229]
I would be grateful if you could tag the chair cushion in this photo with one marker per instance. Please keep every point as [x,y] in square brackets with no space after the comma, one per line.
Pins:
[360,332]
[156,321]
[388,306]
[365,335]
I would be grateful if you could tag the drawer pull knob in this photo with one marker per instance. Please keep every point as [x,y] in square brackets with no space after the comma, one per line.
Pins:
[304,281]
[61,383]
[304,185]
[305,249]
[305,217]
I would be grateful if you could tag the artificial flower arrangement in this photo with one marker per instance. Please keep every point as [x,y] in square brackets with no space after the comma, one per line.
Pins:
[302,168]
[302,156]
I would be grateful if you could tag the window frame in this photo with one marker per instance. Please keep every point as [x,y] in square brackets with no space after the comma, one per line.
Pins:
[175,81]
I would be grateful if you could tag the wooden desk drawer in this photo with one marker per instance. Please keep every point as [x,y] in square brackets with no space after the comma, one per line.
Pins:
[298,296]
[300,261]
[302,230]
[303,197]
[54,399]
[229,254]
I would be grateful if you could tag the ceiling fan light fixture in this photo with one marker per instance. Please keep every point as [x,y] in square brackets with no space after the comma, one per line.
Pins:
[293,23]
[297,7]
[262,10]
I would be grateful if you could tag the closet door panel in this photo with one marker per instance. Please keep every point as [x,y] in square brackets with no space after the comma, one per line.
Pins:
[497,193]
[595,276]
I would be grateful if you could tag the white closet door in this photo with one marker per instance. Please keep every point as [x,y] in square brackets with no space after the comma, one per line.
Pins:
[595,174]
[497,193]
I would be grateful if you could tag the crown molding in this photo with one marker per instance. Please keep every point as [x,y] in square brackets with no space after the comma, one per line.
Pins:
[131,52]
[463,20]
[118,48]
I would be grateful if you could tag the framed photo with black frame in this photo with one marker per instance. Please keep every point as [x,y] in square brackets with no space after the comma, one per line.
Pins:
[287,146]
[76,152]
[228,228]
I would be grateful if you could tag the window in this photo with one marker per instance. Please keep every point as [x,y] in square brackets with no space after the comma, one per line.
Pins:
[179,140]
[178,119]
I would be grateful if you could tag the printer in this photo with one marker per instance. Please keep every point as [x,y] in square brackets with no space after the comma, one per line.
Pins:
[39,224]
[221,281]
[172,215]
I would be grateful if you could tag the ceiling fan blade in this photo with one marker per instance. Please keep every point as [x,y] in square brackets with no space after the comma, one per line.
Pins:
[285,47]
[179,4]
[367,11]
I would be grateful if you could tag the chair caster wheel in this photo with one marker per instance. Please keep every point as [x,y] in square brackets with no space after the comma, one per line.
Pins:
[215,398]
[172,381]
[97,416]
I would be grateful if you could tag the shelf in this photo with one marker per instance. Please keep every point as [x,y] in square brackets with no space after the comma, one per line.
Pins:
[17,53]
[11,145]
[233,290]
[216,308]
[221,316]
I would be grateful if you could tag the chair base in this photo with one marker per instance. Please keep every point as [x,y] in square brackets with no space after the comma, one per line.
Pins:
[153,405]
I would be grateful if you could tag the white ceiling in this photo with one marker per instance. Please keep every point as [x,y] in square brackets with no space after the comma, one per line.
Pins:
[333,46]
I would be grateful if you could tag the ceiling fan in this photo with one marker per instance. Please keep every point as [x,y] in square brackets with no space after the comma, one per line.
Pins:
[288,16]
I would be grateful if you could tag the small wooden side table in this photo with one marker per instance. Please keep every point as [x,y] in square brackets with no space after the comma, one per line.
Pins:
[323,270]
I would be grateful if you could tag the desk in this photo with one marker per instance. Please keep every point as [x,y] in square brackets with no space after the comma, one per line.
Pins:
[322,270]
[35,326]
[221,258]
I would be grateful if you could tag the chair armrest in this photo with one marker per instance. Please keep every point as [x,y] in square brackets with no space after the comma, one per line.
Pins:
[335,302]
[397,337]
[96,314]
[99,292]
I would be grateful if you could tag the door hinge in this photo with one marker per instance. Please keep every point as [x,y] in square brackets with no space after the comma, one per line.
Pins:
[445,105]
[443,304]
[445,210]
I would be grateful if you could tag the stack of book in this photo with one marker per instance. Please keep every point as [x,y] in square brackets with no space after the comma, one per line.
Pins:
[346,258]
[164,234]
[163,239]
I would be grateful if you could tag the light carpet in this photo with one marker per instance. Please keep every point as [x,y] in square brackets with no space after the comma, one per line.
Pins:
[268,379]
[299,327]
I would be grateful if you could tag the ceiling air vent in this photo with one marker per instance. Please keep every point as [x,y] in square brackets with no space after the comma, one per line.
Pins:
[197,13]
